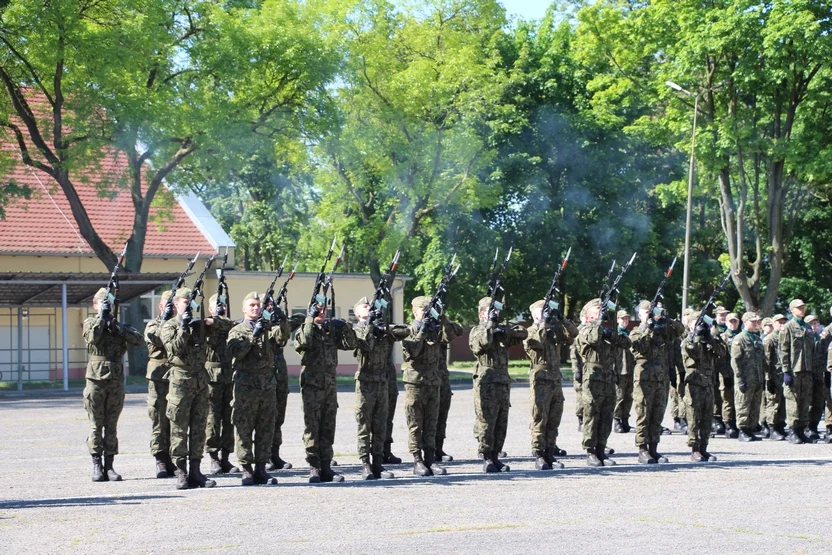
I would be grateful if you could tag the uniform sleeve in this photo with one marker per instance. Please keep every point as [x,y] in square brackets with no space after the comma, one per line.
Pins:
[571,331]
[450,331]
[676,328]
[281,333]
[481,338]
[239,342]
[296,321]
[347,339]
[641,338]
[412,347]
[535,339]
[737,356]
[622,341]
[365,339]
[398,332]
[132,336]
[174,338]
[151,335]
[718,347]
[304,341]
[93,330]
[517,334]
[592,335]
[785,349]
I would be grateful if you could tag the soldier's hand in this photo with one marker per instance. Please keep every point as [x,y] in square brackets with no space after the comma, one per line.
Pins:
[702,329]
[168,313]
[771,387]
[742,386]
[338,323]
[187,318]
[379,330]
[260,327]
[651,323]
[494,315]
[220,309]
[313,311]
[579,376]
[606,332]
[788,379]
[277,314]
[105,308]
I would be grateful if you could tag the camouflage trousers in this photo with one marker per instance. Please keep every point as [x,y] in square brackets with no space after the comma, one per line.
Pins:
[421,410]
[748,405]
[798,399]
[776,404]
[623,397]
[598,401]
[445,395]
[578,386]
[650,399]
[219,430]
[546,398]
[253,419]
[188,413]
[818,402]
[724,407]
[320,408]
[699,400]
[103,400]
[371,416]
[392,399]
[678,405]
[157,406]
[827,417]
[282,397]
[491,405]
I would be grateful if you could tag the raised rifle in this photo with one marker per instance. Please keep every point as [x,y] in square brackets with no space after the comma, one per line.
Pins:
[703,314]
[196,291]
[495,282]
[550,306]
[113,285]
[660,291]
[281,295]
[324,282]
[223,308]
[180,282]
[606,301]
[436,306]
[378,306]
[268,298]
[606,284]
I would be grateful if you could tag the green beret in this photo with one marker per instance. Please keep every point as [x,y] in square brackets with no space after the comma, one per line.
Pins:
[253,295]
[183,292]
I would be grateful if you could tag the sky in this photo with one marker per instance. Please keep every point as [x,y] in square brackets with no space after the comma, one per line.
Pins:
[528,9]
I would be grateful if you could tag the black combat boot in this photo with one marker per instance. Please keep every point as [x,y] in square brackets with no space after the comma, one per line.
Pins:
[488,465]
[216,467]
[644,456]
[549,455]
[695,455]
[98,474]
[389,457]
[502,454]
[419,468]
[161,467]
[794,438]
[827,438]
[378,470]
[367,469]
[248,475]
[276,463]
[731,430]
[441,455]
[765,431]
[261,477]
[609,451]
[314,470]
[112,475]
[776,434]
[677,425]
[601,452]
[580,423]
[703,450]
[745,435]
[558,452]
[684,422]
[327,474]
[592,458]
[812,433]
[618,426]
[666,431]
[495,458]
[226,465]
[182,474]
[430,462]
[540,462]
[654,452]
[625,424]
[718,426]
[196,479]
[171,468]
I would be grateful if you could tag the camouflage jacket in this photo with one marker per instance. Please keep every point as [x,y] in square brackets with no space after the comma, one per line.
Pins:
[543,345]
[491,350]
[598,354]
[373,350]
[106,348]
[651,349]
[281,369]
[625,362]
[157,365]
[253,357]
[796,347]
[318,346]
[771,356]
[575,357]
[186,354]
[452,331]
[217,357]
[699,358]
[422,351]
[747,358]
[822,343]
[723,361]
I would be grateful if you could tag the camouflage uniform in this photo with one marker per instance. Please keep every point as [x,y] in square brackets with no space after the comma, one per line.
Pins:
[318,345]
[281,370]
[392,401]
[219,429]
[775,402]
[699,355]
[624,365]
[157,389]
[796,349]
[104,391]
[747,363]
[820,389]
[254,385]
[727,411]
[678,407]
[543,345]
[452,331]
[577,380]
[420,373]
[651,350]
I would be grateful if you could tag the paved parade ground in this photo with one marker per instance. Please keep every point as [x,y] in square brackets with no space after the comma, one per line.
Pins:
[763,497]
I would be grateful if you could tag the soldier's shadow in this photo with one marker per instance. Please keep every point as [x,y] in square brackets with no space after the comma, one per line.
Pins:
[82,501]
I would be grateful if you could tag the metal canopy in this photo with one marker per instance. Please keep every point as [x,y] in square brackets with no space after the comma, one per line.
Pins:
[39,289]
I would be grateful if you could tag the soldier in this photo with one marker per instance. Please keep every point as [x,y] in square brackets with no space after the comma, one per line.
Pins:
[764,428]
[281,370]
[747,363]
[490,342]
[728,422]
[775,402]
[678,407]
[157,390]
[719,327]
[596,345]
[545,388]
[392,401]
[250,344]
[699,355]
[374,343]
[821,347]
[451,332]
[624,363]
[318,342]
[651,343]
[577,372]
[107,341]
[796,351]
[187,398]
[219,429]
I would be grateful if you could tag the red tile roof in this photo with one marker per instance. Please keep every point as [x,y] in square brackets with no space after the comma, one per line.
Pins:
[45,225]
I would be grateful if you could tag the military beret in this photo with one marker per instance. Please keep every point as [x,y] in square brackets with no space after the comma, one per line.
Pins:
[253,295]
[767,321]
[644,305]
[594,303]
[101,294]
[779,317]
[537,304]
[166,295]
[420,302]
[797,303]
[811,318]
[183,292]
[361,301]
[484,303]
[732,316]
[750,317]
[622,314]
[690,310]
[720,310]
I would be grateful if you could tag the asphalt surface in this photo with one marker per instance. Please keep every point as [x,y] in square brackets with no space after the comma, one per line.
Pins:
[764,497]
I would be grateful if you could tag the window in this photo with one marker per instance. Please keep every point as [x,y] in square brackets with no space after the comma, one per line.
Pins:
[149,304]
[352,319]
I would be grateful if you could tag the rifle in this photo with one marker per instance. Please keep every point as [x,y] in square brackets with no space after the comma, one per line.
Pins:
[549,304]
[379,303]
[606,284]
[222,289]
[113,285]
[606,302]
[703,314]
[180,282]
[196,291]
[268,298]
[436,306]
[323,282]
[660,291]
[495,282]
[281,295]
